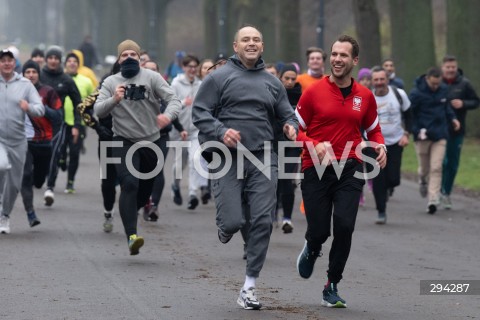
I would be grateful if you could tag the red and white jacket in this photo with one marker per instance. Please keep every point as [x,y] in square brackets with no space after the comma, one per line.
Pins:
[326,116]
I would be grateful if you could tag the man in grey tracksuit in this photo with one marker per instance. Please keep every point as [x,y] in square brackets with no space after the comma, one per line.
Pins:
[239,105]
[18,97]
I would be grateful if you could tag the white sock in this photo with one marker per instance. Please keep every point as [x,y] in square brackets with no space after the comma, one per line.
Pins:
[249,282]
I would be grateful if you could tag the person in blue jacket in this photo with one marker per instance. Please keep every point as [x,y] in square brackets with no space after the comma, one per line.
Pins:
[432,115]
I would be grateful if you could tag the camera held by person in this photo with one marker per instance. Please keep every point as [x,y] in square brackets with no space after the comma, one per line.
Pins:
[134,92]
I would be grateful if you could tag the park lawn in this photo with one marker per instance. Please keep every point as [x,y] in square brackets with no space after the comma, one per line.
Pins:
[468,176]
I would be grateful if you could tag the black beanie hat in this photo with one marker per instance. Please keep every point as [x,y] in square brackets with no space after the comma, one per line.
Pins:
[72,55]
[288,67]
[54,51]
[37,52]
[30,64]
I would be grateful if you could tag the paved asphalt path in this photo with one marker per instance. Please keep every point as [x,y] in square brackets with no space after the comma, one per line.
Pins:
[68,268]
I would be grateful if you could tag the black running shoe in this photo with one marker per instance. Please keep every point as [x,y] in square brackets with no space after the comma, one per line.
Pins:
[62,164]
[192,203]
[177,196]
[205,194]
[32,219]
[432,208]
[153,214]
[287,226]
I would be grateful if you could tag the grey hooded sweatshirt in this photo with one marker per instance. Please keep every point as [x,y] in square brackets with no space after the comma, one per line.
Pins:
[12,117]
[251,101]
[136,120]
[183,88]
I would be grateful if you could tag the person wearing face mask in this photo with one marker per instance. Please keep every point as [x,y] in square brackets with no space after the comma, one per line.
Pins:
[131,98]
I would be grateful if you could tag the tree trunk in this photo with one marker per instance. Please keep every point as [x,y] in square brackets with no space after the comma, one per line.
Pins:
[289,29]
[210,16]
[463,27]
[110,33]
[161,13]
[76,15]
[368,31]
[412,38]
[263,17]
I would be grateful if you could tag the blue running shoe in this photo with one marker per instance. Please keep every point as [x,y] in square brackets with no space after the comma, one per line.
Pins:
[32,219]
[331,299]
[306,261]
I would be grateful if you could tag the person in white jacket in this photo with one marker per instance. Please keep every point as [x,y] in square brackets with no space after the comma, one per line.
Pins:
[18,97]
[185,85]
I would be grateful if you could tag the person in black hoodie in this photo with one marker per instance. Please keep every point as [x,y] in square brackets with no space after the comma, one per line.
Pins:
[39,151]
[462,97]
[432,115]
[52,75]
[103,127]
[286,185]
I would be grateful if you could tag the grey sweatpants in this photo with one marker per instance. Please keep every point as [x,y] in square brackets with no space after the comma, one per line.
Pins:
[254,193]
[11,179]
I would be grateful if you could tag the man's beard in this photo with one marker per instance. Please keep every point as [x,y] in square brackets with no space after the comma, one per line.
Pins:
[346,73]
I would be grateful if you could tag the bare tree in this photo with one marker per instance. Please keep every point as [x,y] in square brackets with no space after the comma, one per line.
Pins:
[161,28]
[289,31]
[368,31]
[413,48]
[210,12]
[463,27]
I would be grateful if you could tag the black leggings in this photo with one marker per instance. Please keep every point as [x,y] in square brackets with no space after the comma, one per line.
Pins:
[159,183]
[135,192]
[388,177]
[109,182]
[73,153]
[286,187]
[35,170]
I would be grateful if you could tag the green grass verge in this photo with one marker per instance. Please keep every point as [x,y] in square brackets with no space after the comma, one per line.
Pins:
[468,176]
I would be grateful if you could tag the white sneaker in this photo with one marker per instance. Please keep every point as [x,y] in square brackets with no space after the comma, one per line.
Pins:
[248,300]
[49,197]
[446,202]
[108,224]
[4,224]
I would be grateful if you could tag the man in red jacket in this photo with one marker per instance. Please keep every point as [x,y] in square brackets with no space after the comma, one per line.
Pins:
[331,113]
